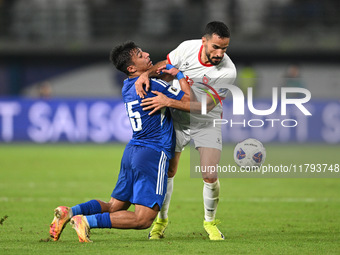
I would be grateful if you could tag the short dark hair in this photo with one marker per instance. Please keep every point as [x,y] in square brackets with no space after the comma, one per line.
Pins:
[218,28]
[121,55]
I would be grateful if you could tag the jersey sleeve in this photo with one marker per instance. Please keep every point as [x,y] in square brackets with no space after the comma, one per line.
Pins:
[167,89]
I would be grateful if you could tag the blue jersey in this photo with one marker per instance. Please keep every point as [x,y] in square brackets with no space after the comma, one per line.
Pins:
[155,131]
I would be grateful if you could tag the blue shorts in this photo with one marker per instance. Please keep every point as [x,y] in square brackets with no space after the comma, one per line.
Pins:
[143,176]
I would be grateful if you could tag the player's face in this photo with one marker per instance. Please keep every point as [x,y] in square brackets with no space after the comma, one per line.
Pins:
[141,60]
[214,48]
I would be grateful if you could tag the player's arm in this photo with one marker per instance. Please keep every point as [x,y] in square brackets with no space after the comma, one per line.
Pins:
[196,106]
[188,104]
[144,78]
[160,100]
[173,72]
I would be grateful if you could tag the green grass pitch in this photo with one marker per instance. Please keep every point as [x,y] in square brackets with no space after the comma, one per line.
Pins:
[258,215]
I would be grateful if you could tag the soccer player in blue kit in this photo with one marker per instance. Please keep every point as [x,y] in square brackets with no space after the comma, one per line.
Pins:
[142,180]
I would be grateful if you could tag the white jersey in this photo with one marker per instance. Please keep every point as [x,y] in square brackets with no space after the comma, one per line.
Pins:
[187,58]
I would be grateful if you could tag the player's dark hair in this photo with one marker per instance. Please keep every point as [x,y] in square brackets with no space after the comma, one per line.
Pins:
[218,28]
[120,56]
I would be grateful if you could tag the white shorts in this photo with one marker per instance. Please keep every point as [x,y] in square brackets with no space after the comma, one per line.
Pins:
[206,136]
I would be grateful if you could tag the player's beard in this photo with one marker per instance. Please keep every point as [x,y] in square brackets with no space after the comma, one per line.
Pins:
[214,61]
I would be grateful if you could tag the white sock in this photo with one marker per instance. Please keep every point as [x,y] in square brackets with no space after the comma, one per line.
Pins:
[163,214]
[211,193]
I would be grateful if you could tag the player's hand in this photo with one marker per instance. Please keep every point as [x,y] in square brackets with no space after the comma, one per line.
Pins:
[169,69]
[143,79]
[156,103]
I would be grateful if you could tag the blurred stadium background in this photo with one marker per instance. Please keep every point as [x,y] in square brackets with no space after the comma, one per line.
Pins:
[54,54]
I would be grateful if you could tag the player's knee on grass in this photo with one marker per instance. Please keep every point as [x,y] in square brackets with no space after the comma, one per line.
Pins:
[144,223]
[145,216]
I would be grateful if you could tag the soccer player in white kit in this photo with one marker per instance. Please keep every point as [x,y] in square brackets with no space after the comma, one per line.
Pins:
[206,66]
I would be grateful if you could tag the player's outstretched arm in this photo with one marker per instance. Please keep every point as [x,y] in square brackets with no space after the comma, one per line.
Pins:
[144,78]
[161,100]
[187,103]
[196,106]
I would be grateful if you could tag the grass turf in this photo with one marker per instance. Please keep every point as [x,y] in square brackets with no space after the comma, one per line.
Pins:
[259,216]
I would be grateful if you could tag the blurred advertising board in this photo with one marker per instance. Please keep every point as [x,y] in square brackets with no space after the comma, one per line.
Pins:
[105,120]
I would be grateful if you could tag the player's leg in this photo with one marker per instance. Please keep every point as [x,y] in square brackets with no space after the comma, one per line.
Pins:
[144,184]
[173,166]
[141,218]
[211,191]
[114,205]
[208,142]
[82,223]
[161,223]
[63,214]
[210,157]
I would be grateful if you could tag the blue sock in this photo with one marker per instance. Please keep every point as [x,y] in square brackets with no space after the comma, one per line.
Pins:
[89,208]
[100,220]
[76,210]
[92,220]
